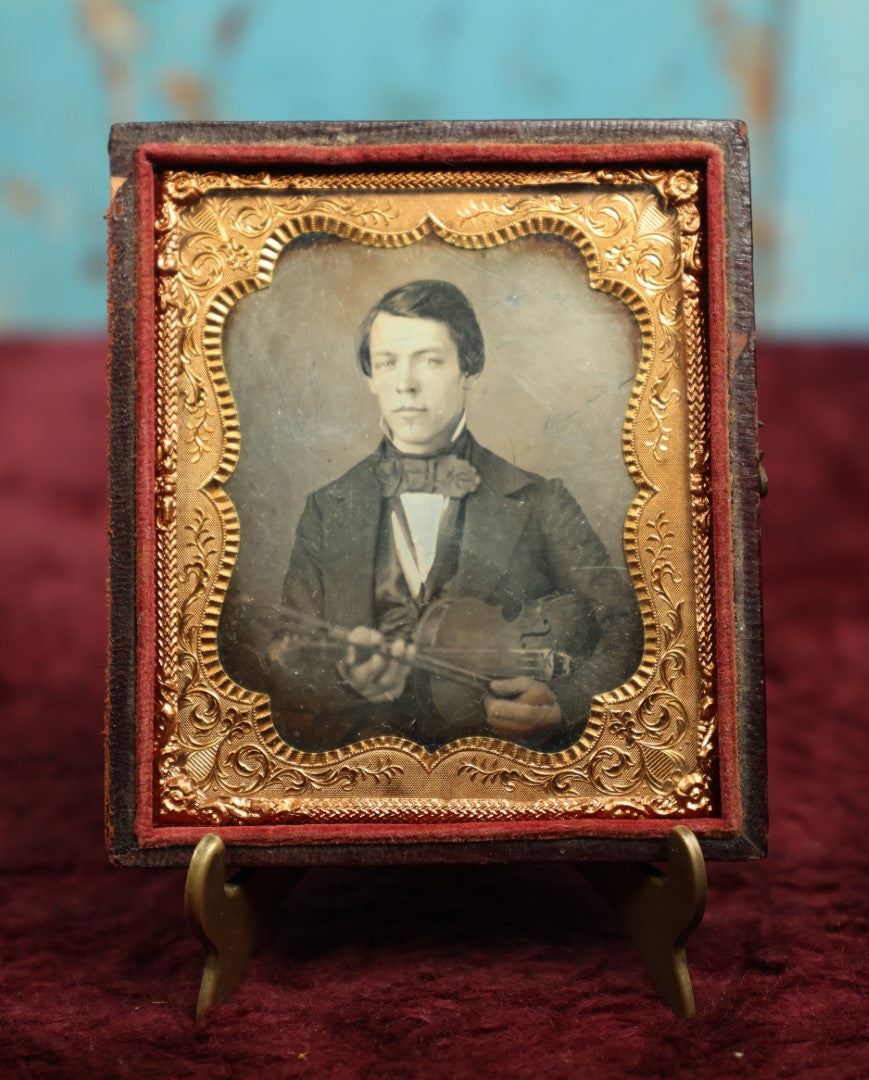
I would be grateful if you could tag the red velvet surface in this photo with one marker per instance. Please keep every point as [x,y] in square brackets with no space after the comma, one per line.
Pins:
[431,972]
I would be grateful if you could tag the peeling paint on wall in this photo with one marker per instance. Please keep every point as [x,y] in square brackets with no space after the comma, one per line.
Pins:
[750,45]
[188,95]
[20,196]
[793,69]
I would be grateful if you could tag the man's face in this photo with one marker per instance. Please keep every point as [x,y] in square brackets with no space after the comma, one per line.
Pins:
[417,380]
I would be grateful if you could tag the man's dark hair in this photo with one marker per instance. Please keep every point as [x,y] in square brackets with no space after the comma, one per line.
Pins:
[430,300]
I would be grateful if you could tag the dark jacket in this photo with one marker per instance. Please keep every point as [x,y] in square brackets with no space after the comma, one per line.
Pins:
[524,537]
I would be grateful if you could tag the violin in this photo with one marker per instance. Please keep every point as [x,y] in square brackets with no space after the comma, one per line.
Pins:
[461,645]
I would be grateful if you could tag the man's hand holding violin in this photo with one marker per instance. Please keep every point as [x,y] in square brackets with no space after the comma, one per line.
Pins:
[377,669]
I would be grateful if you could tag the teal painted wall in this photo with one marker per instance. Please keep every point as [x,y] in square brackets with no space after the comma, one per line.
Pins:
[795,70]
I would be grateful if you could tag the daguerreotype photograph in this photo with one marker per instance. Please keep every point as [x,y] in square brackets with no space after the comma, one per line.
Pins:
[431,523]
[412,560]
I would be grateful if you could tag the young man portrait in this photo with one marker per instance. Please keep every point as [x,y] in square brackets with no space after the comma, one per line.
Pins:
[428,522]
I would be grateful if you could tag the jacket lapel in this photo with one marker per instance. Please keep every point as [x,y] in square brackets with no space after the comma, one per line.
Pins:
[350,526]
[495,517]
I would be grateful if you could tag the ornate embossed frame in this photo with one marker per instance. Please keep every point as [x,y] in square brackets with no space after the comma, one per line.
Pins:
[199,218]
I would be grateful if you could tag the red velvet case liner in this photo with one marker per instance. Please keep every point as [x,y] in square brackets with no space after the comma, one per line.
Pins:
[438,155]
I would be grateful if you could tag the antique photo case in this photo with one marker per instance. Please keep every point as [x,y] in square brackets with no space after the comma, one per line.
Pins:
[434,492]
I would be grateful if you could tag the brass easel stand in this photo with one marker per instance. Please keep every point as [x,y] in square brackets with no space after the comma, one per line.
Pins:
[228,917]
[659,912]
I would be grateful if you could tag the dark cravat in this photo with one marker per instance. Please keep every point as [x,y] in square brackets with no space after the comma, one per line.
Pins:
[442,474]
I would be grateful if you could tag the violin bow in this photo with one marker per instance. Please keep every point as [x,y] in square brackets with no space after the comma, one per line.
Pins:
[330,635]
[339,635]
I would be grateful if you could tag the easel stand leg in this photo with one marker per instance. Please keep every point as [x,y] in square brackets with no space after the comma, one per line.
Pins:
[228,917]
[660,911]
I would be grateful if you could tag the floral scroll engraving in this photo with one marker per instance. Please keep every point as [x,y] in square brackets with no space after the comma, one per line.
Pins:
[648,750]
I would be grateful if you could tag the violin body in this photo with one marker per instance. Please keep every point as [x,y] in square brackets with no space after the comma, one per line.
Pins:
[545,641]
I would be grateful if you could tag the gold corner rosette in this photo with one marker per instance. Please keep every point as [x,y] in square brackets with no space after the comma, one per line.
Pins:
[648,749]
